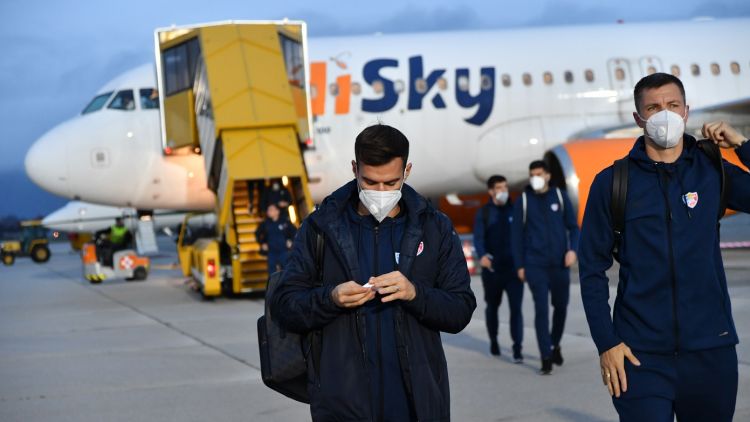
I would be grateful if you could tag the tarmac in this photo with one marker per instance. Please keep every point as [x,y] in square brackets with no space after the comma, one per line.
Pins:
[155,351]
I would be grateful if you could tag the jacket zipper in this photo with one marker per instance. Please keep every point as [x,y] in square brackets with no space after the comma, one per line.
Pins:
[378,339]
[671,265]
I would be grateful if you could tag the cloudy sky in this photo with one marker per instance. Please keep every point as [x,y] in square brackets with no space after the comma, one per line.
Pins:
[56,54]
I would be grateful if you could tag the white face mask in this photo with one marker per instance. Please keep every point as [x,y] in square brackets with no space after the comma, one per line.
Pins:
[501,197]
[537,183]
[380,203]
[665,128]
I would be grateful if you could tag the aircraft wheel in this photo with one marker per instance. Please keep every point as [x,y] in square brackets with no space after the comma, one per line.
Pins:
[40,254]
[8,259]
[140,273]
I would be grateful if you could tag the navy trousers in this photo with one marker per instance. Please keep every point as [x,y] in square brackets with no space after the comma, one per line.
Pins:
[494,284]
[276,261]
[694,386]
[545,282]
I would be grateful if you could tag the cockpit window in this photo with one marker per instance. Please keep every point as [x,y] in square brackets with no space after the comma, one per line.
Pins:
[149,98]
[97,103]
[123,100]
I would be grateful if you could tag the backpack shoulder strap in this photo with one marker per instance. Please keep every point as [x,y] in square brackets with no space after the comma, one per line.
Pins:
[714,154]
[485,215]
[319,249]
[560,199]
[619,195]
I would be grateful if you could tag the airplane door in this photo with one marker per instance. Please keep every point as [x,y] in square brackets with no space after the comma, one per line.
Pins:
[650,64]
[621,81]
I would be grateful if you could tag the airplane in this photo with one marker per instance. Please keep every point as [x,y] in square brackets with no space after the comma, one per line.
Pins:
[472,103]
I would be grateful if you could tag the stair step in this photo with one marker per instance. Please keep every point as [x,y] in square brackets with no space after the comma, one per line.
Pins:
[247,219]
[249,247]
[247,237]
[251,257]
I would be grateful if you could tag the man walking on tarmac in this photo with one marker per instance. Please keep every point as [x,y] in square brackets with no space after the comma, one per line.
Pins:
[545,238]
[394,276]
[275,235]
[671,347]
[492,243]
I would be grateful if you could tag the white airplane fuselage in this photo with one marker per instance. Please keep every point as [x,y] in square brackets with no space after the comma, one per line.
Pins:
[472,104]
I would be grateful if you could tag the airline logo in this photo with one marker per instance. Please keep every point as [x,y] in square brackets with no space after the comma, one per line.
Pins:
[425,88]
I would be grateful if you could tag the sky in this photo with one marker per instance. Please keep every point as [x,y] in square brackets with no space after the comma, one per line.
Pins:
[57,54]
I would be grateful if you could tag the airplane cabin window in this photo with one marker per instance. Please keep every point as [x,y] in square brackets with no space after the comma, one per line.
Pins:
[675,70]
[715,69]
[485,83]
[123,101]
[526,79]
[619,74]
[333,89]
[547,76]
[651,70]
[378,86]
[313,91]
[463,83]
[398,86]
[735,67]
[506,80]
[568,75]
[149,98]
[695,69]
[442,83]
[420,85]
[589,75]
[356,88]
[97,103]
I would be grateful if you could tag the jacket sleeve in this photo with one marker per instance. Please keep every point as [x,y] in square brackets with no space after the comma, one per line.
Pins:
[297,303]
[595,258]
[571,223]
[516,234]
[738,181]
[448,305]
[479,233]
[260,232]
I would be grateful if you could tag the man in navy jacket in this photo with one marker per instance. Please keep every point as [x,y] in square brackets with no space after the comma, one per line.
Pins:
[492,244]
[394,277]
[670,347]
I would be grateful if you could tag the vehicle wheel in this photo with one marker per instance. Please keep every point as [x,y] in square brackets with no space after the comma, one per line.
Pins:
[40,254]
[140,273]
[8,259]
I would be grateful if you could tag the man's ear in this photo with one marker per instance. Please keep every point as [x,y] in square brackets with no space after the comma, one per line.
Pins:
[407,171]
[687,112]
[354,168]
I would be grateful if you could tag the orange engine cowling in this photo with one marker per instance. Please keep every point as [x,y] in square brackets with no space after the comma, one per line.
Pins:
[575,164]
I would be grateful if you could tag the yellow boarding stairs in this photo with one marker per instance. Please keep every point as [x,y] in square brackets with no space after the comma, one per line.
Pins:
[237,94]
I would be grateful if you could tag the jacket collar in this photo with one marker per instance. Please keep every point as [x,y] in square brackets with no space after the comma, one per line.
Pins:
[639,156]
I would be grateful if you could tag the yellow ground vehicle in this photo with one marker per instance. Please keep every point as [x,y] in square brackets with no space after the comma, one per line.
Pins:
[237,94]
[33,243]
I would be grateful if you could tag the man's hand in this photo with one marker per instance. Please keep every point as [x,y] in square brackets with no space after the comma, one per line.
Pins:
[722,134]
[570,258]
[612,363]
[289,243]
[521,274]
[485,262]
[393,286]
[264,246]
[351,294]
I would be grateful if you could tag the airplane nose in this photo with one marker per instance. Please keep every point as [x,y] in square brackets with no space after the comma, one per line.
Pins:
[46,164]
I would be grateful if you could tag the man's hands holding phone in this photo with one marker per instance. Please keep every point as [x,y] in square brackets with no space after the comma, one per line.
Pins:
[391,286]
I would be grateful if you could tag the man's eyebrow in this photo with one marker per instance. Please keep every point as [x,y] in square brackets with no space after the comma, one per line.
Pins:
[370,181]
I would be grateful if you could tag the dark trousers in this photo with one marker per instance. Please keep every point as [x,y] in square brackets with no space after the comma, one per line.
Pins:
[694,386]
[545,282]
[494,284]
[276,261]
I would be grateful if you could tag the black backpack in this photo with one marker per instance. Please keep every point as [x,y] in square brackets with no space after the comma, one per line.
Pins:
[620,190]
[283,355]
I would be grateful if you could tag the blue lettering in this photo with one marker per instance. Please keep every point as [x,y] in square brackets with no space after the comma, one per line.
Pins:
[485,98]
[371,73]
[415,73]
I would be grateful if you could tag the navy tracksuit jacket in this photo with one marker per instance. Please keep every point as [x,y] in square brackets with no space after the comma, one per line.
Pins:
[672,291]
[672,306]
[275,234]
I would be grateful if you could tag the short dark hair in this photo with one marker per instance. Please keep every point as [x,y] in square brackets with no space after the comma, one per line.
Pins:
[539,164]
[119,220]
[379,144]
[494,179]
[652,81]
